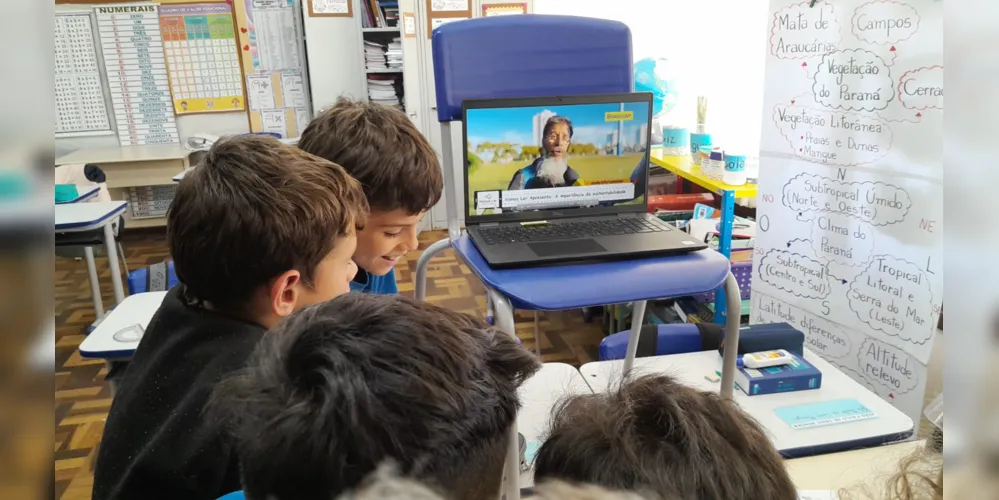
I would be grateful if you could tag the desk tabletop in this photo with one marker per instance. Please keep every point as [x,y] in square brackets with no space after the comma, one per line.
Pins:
[83,192]
[86,216]
[691,368]
[151,152]
[136,309]
[849,468]
[538,395]
[611,282]
[179,177]
[684,167]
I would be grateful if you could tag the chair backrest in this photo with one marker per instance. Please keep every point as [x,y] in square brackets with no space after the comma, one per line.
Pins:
[529,56]
[522,56]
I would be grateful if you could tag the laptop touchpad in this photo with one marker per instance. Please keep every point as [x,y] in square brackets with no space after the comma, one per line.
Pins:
[568,247]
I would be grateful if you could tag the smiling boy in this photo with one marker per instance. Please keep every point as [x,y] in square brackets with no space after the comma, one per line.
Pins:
[399,173]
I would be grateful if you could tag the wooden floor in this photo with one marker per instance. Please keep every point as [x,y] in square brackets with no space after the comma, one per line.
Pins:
[82,398]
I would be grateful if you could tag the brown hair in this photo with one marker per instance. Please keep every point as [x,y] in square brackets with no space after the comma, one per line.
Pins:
[654,435]
[341,387]
[380,147]
[255,208]
[919,477]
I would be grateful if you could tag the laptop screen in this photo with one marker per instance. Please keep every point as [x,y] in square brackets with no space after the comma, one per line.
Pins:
[555,157]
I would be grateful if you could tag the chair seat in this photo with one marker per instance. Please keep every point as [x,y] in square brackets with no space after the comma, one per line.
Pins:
[654,340]
[593,284]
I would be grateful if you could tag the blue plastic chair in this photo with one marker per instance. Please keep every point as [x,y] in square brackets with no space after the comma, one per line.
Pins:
[138,280]
[675,338]
[236,495]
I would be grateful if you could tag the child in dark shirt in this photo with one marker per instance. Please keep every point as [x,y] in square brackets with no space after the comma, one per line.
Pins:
[257,231]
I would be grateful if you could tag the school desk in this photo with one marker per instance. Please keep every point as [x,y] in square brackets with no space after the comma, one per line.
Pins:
[849,468]
[83,193]
[136,309]
[685,169]
[889,424]
[134,166]
[538,395]
[81,217]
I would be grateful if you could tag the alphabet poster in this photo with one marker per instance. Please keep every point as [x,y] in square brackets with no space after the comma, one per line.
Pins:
[850,202]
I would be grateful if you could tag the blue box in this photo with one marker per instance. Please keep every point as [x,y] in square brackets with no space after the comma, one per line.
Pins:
[799,375]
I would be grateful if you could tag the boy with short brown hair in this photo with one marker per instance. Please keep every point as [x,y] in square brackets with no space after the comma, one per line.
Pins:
[400,174]
[257,231]
[656,436]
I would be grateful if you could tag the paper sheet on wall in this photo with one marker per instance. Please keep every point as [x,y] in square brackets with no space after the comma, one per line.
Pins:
[449,5]
[270,42]
[328,7]
[202,57]
[850,195]
[132,44]
[440,21]
[274,122]
[80,105]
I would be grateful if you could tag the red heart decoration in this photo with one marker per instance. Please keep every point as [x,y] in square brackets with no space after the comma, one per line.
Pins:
[792,101]
[243,30]
[246,47]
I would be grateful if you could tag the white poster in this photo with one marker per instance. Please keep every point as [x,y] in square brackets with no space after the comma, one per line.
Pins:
[850,194]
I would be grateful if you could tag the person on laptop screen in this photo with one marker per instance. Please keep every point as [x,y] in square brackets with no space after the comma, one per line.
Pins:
[518,156]
[551,169]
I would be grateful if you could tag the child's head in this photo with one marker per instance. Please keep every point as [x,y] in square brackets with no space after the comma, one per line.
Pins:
[260,229]
[656,435]
[341,387]
[397,167]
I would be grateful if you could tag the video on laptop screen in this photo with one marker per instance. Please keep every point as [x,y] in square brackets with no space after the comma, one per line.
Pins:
[555,157]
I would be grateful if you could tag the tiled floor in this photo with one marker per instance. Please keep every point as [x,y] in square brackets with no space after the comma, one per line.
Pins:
[82,397]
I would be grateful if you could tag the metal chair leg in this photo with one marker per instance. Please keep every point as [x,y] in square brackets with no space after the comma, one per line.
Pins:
[121,252]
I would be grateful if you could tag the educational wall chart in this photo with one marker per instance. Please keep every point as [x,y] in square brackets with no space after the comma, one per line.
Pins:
[850,193]
[273,60]
[137,74]
[80,105]
[199,41]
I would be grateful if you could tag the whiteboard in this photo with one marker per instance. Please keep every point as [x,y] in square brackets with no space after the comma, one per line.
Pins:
[850,192]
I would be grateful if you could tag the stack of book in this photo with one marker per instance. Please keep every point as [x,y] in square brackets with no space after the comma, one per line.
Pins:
[374,55]
[394,54]
[385,89]
[379,13]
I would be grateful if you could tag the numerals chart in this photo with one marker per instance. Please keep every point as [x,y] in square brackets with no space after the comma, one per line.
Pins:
[137,75]
[202,57]
[80,105]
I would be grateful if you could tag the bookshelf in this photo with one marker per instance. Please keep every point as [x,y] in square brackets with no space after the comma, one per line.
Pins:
[381,41]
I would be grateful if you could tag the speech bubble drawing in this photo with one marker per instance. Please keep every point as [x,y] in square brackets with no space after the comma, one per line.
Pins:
[922,88]
[877,203]
[833,137]
[799,32]
[853,79]
[888,366]
[883,22]
[859,378]
[843,239]
[821,335]
[796,274]
[893,296]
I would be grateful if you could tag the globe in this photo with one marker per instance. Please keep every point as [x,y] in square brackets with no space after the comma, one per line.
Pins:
[652,74]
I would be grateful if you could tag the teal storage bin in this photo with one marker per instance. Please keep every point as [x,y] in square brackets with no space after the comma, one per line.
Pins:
[65,192]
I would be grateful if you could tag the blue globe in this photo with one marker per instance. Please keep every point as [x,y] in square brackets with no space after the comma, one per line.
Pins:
[653,75]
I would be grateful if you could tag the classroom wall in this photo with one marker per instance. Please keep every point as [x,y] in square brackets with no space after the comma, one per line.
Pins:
[724,63]
[187,125]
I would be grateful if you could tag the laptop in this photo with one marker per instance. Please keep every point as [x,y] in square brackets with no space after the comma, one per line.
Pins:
[562,179]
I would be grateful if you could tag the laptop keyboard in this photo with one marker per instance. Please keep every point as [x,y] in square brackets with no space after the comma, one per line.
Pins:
[517,233]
